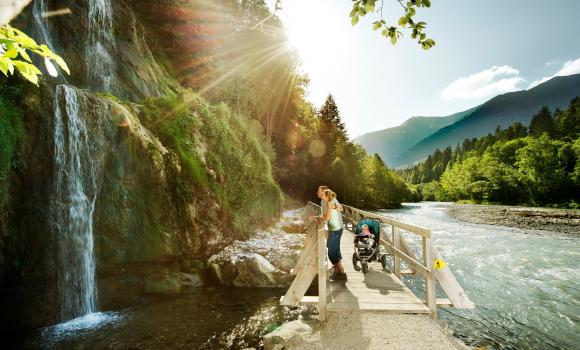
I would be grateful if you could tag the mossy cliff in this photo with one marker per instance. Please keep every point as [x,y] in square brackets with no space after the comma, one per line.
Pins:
[179,177]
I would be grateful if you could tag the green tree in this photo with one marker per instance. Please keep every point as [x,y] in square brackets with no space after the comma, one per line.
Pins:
[542,122]
[540,169]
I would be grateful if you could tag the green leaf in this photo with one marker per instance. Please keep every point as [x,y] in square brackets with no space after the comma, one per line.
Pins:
[393,39]
[28,71]
[377,25]
[385,32]
[403,21]
[427,3]
[24,55]
[11,53]
[6,66]
[354,19]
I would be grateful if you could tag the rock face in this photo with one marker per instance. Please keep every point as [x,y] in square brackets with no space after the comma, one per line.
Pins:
[288,336]
[265,260]
[155,222]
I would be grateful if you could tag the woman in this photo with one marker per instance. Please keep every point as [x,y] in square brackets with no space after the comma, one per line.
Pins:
[334,219]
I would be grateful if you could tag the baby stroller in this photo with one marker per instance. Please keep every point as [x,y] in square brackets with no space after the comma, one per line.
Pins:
[367,249]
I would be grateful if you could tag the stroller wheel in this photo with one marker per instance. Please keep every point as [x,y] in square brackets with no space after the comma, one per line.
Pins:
[365,267]
[355,260]
[384,261]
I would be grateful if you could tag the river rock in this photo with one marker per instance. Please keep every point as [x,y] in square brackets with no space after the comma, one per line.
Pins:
[288,336]
[264,260]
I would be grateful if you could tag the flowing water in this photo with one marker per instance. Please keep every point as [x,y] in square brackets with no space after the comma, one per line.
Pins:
[76,181]
[78,142]
[100,45]
[525,283]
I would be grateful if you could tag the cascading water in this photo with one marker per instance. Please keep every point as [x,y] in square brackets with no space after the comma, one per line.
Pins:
[77,149]
[100,45]
[78,140]
[38,9]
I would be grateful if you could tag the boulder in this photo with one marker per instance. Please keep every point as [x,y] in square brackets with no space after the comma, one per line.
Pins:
[254,271]
[288,336]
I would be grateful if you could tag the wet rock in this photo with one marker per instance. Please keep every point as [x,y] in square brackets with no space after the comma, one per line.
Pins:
[168,284]
[288,336]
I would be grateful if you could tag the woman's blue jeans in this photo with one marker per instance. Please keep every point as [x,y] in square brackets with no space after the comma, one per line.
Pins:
[333,245]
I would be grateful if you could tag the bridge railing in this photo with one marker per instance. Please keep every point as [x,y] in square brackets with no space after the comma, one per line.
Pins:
[312,262]
[398,248]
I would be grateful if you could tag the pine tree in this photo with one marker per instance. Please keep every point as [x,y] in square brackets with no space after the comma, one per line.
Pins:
[332,128]
[542,122]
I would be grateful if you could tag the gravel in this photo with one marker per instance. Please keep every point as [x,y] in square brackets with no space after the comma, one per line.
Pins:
[547,219]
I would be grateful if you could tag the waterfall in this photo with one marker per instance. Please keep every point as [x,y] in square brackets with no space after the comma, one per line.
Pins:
[38,9]
[78,144]
[100,44]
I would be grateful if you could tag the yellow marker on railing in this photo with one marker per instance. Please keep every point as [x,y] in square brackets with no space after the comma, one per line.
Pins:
[439,264]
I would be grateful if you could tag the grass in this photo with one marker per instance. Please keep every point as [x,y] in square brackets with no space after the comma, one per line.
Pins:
[220,152]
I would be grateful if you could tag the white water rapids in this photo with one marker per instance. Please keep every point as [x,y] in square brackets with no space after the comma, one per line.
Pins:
[525,283]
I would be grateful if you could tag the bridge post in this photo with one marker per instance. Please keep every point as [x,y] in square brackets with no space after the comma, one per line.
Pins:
[430,282]
[396,258]
[321,275]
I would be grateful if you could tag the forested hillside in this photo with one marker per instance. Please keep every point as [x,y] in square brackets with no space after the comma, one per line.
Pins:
[534,165]
[391,143]
[502,110]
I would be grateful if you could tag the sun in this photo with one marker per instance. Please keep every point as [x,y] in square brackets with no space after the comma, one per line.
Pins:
[313,29]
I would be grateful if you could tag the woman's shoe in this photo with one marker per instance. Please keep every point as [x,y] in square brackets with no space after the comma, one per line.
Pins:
[340,276]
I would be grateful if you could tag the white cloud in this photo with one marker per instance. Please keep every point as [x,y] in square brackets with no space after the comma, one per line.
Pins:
[569,68]
[490,82]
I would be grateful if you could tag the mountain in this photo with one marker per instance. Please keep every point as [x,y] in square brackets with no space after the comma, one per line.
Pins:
[502,110]
[391,143]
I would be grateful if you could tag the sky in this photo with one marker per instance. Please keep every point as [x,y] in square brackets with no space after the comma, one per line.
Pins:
[484,48]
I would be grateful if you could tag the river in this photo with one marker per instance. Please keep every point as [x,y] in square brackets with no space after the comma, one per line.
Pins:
[207,318]
[525,283]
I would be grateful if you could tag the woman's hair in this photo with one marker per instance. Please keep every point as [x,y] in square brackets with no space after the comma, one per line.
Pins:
[323,188]
[330,195]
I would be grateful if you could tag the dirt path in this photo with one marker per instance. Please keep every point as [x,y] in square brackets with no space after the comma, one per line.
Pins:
[374,330]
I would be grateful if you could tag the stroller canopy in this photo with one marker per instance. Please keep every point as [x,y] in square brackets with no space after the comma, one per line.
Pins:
[374,227]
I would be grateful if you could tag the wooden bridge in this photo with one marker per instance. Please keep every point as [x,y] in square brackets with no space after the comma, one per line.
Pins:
[378,289]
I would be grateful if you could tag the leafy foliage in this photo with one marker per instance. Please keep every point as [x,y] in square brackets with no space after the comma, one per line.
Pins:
[219,150]
[14,45]
[358,178]
[509,166]
[361,8]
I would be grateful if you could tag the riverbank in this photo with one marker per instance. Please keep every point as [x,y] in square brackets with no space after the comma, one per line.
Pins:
[373,330]
[546,219]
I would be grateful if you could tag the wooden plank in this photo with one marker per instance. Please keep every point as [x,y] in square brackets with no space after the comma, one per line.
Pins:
[399,253]
[449,283]
[421,231]
[418,308]
[321,276]
[430,278]
[400,298]
[302,281]
[444,302]
[309,241]
[396,255]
